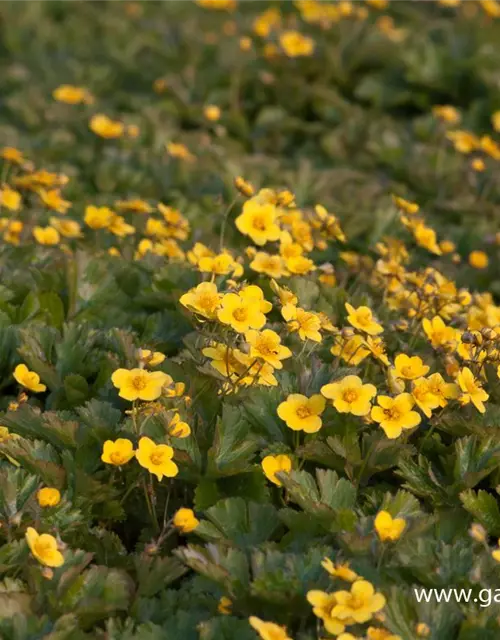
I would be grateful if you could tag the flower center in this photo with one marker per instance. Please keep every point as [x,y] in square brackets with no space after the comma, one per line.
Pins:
[266,347]
[356,603]
[139,382]
[116,457]
[350,395]
[240,314]
[259,223]
[156,458]
[303,411]
[407,371]
[392,414]
[43,548]
[207,301]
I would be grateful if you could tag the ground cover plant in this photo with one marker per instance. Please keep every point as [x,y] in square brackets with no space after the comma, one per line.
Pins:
[249,320]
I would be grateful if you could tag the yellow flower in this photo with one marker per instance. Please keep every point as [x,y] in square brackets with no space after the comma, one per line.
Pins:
[378,633]
[67,228]
[119,227]
[422,630]
[212,112]
[377,349]
[447,114]
[156,458]
[268,630]
[426,237]
[46,235]
[117,452]
[104,127]
[495,554]
[294,44]
[44,548]
[410,368]
[301,413]
[387,527]
[362,319]
[220,5]
[464,141]
[350,395]
[138,384]
[48,497]
[359,604]
[478,259]
[240,312]
[177,428]
[52,199]
[9,198]
[185,520]
[244,187]
[179,151]
[352,350]
[395,414]
[72,95]
[151,358]
[491,8]
[425,400]
[472,391]
[98,217]
[438,333]
[267,346]
[408,207]
[271,465]
[258,221]
[306,323]
[11,154]
[272,266]
[341,571]
[203,300]
[225,606]
[28,379]
[323,605]
[135,205]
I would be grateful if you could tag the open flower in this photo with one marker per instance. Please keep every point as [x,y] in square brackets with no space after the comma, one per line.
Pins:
[410,368]
[46,235]
[323,605]
[439,334]
[203,300]
[267,346]
[362,319]
[268,630]
[352,350]
[271,465]
[241,313]
[44,548]
[177,428]
[185,520]
[156,458]
[395,414]
[301,413]
[472,391]
[425,400]
[350,395]
[387,527]
[341,571]
[306,323]
[138,384]
[259,222]
[359,604]
[28,379]
[117,452]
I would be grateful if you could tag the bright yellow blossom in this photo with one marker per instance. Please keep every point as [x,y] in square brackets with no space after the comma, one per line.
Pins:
[67,228]
[425,400]
[117,452]
[156,458]
[259,222]
[341,571]
[105,127]
[139,384]
[52,199]
[240,313]
[267,346]
[268,630]
[271,465]
[442,390]
[46,235]
[72,95]
[28,379]
[185,520]
[323,606]
[395,414]
[352,350]
[362,319]
[438,333]
[472,391]
[44,548]
[387,527]
[9,198]
[272,266]
[294,44]
[359,604]
[350,395]
[410,368]
[48,497]
[301,413]
[478,259]
[98,217]
[203,300]
[306,323]
[177,428]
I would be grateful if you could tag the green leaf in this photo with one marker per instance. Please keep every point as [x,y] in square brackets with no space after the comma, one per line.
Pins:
[76,389]
[52,304]
[233,444]
[484,507]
